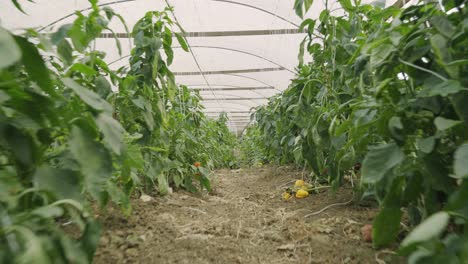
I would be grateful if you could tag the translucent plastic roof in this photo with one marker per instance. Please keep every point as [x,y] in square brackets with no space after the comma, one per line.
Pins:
[246,49]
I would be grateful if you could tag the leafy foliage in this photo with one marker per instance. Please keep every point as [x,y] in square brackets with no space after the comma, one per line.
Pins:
[385,87]
[252,149]
[68,138]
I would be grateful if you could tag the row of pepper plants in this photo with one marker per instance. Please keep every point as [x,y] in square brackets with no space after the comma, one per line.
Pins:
[74,133]
[388,88]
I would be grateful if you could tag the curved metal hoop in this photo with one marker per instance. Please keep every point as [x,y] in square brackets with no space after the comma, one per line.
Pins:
[222,1]
[259,9]
[220,48]
[240,51]
[251,78]
[233,103]
[81,10]
[229,94]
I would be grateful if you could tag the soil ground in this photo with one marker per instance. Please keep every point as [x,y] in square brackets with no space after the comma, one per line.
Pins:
[245,220]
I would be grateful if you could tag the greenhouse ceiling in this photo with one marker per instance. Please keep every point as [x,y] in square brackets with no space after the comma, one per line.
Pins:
[241,51]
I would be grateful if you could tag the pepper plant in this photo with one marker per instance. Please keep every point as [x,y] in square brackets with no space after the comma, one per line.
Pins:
[385,87]
[69,140]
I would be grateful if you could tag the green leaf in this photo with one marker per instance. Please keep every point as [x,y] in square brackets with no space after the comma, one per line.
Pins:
[155,64]
[426,145]
[386,226]
[48,211]
[18,6]
[378,3]
[133,157]
[310,23]
[163,185]
[82,68]
[34,64]
[460,164]
[118,196]
[181,41]
[22,145]
[444,123]
[459,104]
[65,52]
[379,160]
[432,227]
[300,56]
[60,34]
[439,45]
[395,126]
[205,182]
[94,4]
[9,50]
[346,4]
[443,89]
[169,53]
[443,25]
[103,87]
[324,15]
[90,238]
[457,200]
[88,96]
[117,42]
[148,115]
[307,5]
[387,223]
[4,97]
[298,7]
[95,162]
[65,184]
[380,54]
[113,132]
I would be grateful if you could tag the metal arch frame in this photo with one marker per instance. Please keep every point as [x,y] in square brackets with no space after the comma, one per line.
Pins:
[217,72]
[232,103]
[232,115]
[257,8]
[233,109]
[82,10]
[236,96]
[254,79]
[229,94]
[239,98]
[232,88]
[227,99]
[240,51]
[190,49]
[250,78]
[220,48]
[226,85]
[244,119]
[236,111]
[221,1]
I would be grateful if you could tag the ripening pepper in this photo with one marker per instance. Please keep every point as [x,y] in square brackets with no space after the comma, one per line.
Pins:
[286,196]
[299,183]
[302,193]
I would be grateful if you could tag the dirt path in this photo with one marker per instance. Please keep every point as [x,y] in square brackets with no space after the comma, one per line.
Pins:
[245,221]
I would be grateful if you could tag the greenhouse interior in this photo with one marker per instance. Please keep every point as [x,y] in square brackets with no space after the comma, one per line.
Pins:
[234,131]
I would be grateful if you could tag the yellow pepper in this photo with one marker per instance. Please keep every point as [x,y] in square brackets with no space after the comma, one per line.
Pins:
[301,194]
[299,183]
[286,196]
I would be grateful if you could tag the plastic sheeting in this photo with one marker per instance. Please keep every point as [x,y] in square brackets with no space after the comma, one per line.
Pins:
[246,49]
